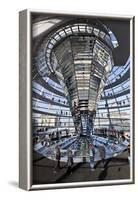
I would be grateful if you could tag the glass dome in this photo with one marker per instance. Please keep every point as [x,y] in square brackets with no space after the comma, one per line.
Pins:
[79,96]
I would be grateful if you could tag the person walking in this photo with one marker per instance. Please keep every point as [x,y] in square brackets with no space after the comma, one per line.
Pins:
[58,156]
[102,155]
[69,161]
[92,156]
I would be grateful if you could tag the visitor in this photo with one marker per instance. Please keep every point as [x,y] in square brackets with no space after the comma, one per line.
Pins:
[58,156]
[92,156]
[42,142]
[69,161]
[102,155]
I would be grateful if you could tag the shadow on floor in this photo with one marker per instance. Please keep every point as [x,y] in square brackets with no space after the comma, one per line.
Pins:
[103,174]
[75,167]
[13,183]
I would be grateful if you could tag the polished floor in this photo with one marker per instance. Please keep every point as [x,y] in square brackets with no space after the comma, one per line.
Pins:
[116,168]
[80,146]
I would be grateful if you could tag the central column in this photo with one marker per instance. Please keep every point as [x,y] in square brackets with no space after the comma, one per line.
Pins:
[81,61]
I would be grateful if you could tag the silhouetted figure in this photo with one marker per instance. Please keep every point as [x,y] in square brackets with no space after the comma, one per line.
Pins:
[58,156]
[69,161]
[102,155]
[92,156]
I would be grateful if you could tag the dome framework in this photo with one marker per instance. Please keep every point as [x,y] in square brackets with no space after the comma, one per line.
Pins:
[74,76]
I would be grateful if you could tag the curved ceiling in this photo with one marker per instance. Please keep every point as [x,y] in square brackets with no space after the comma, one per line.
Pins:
[118,27]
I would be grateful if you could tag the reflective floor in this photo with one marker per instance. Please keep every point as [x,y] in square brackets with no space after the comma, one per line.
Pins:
[116,168]
[80,148]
